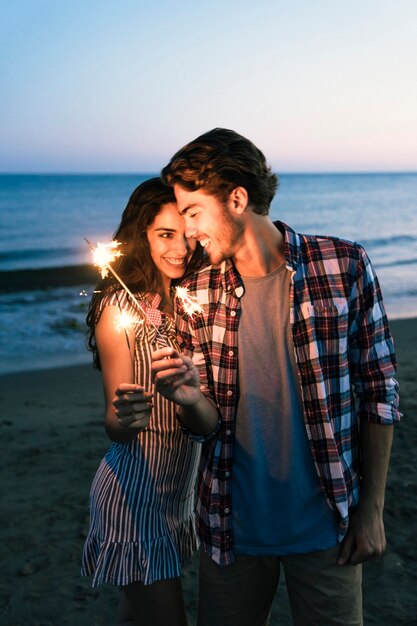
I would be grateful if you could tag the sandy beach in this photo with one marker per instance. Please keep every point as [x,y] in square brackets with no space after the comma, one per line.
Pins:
[52,441]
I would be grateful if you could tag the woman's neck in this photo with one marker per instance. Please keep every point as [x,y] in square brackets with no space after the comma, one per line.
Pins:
[166,301]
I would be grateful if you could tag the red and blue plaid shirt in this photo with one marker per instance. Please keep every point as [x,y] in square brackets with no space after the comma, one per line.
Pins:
[343,349]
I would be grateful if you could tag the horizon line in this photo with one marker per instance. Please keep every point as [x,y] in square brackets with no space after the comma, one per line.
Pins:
[154,173]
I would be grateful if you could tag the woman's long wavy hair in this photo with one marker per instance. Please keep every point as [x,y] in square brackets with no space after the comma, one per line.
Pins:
[135,267]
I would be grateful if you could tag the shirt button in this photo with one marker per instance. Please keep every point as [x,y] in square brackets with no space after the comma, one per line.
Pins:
[231,353]
[227,474]
[233,313]
[228,432]
[230,392]
[227,510]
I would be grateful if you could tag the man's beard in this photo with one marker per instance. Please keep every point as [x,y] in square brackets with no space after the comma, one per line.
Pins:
[232,231]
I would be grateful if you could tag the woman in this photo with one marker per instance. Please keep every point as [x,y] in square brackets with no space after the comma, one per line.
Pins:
[141,500]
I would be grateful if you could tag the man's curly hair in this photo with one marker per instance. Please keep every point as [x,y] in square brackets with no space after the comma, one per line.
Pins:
[219,161]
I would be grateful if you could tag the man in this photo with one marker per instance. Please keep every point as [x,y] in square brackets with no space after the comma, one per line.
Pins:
[293,328]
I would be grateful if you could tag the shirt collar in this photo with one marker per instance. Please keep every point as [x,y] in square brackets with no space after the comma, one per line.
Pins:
[230,279]
[291,245]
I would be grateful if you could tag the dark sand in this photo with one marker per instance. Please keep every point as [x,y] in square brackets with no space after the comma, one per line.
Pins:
[52,441]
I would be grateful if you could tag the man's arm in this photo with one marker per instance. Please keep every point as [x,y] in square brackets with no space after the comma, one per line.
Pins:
[365,538]
[373,366]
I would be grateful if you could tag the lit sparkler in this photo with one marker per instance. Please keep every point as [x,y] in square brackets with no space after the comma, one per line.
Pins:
[190,304]
[106,253]
[125,321]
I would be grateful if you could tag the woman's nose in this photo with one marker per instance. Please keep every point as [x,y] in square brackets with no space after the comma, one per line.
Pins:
[182,246]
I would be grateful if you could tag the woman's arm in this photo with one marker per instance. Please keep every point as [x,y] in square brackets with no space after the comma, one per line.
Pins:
[127,406]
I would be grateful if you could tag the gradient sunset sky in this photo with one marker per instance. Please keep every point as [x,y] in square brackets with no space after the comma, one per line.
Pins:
[120,85]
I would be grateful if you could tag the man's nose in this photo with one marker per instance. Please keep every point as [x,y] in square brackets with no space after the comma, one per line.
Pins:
[190,230]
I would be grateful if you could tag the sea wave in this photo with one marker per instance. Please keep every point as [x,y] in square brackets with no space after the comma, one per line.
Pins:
[395,240]
[32,254]
[397,263]
[42,327]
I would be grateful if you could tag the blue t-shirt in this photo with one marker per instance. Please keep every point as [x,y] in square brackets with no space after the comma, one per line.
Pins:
[278,505]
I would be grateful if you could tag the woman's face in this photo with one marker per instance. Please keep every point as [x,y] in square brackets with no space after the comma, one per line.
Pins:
[170,248]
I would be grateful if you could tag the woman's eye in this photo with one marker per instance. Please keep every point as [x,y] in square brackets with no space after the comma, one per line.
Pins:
[166,235]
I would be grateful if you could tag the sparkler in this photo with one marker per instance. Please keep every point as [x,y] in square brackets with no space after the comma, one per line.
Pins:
[104,254]
[125,321]
[190,304]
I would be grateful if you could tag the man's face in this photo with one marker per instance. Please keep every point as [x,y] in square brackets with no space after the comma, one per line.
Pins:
[213,223]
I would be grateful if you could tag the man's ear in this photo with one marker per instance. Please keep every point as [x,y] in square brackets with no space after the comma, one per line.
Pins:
[239,200]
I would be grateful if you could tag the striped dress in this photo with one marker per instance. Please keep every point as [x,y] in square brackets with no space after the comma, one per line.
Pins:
[142,496]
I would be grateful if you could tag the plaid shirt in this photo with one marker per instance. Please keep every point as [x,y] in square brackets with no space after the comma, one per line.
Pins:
[342,344]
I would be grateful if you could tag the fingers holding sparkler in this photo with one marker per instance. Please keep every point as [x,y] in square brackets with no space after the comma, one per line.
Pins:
[167,365]
[175,376]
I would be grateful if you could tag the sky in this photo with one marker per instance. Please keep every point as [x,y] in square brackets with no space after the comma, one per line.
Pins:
[121,85]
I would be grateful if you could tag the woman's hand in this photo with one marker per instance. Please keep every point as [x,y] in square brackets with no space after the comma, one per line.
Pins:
[132,406]
[175,376]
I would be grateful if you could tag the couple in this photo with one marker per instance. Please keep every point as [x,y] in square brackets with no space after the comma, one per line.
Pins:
[264,382]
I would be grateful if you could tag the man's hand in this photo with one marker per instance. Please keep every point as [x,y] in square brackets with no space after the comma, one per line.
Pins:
[365,539]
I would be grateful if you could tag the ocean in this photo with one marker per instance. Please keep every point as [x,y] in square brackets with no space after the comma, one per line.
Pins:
[45,218]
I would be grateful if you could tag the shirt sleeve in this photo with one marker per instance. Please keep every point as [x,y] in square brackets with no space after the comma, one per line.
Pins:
[118,299]
[371,349]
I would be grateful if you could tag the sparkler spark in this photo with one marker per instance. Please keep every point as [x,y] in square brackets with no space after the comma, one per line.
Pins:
[125,321]
[106,253]
[190,304]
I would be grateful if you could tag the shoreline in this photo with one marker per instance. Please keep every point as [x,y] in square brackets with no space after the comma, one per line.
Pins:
[399,327]
[404,332]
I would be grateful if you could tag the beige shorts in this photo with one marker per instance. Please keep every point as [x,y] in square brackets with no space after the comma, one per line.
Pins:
[321,593]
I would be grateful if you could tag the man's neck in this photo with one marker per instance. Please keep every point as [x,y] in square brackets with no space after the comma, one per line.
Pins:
[262,249]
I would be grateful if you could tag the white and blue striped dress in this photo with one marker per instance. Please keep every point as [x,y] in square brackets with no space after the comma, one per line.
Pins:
[142,496]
